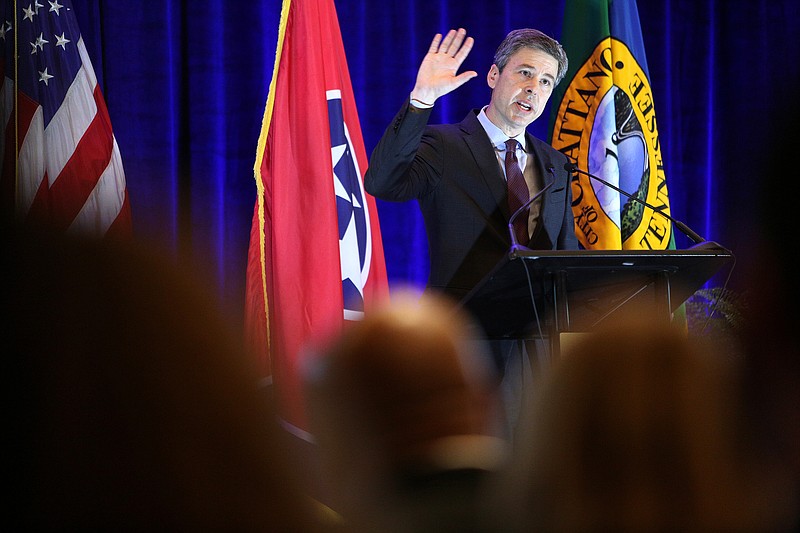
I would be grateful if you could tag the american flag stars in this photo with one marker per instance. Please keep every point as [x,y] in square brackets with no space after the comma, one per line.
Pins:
[49,35]
[31,11]
[39,43]
[5,27]
[62,41]
[68,172]
[44,76]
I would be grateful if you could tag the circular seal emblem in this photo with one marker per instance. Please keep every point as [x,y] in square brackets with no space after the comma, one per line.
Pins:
[606,124]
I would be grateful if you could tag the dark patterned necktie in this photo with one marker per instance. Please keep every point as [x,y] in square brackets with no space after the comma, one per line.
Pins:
[517,191]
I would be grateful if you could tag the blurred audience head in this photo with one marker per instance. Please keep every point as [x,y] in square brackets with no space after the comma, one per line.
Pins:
[638,428]
[402,393]
[768,270]
[132,404]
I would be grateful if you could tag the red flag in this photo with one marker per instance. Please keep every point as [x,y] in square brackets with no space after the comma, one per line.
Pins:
[61,165]
[316,255]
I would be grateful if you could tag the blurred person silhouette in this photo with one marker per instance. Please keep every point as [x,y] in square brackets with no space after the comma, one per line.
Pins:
[768,268]
[473,179]
[401,406]
[637,427]
[131,404]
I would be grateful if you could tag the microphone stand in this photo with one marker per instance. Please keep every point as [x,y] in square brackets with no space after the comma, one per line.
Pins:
[686,230]
[515,245]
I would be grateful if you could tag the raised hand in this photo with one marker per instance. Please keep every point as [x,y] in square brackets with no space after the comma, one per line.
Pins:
[437,74]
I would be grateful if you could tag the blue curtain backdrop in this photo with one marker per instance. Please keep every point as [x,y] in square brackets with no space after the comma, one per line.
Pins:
[186,84]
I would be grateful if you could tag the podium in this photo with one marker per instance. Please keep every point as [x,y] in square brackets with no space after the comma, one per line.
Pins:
[541,294]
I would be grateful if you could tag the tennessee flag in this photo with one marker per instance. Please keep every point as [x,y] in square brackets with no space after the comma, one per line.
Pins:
[61,166]
[316,255]
[604,120]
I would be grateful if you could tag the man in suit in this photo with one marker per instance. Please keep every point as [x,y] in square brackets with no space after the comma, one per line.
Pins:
[458,172]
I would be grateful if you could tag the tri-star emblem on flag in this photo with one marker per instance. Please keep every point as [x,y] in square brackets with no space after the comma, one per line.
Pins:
[355,241]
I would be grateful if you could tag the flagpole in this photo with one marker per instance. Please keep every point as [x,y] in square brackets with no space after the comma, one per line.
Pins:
[262,141]
[13,213]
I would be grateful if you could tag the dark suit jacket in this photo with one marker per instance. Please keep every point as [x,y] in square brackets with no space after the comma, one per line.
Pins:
[452,171]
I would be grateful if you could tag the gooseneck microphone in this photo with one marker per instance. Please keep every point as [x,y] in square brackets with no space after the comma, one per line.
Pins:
[514,243]
[686,230]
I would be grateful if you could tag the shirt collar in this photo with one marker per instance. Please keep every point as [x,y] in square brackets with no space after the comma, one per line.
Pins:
[496,135]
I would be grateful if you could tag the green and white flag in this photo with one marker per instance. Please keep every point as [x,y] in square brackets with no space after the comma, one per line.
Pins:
[604,120]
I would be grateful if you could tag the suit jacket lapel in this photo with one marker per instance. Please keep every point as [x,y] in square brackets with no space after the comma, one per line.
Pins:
[485,159]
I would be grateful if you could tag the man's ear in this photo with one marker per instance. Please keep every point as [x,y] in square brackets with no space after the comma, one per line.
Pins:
[491,77]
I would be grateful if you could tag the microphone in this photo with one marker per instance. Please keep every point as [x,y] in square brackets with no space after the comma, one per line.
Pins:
[686,230]
[514,244]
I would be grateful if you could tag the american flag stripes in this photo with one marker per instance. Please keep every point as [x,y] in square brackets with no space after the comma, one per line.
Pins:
[61,166]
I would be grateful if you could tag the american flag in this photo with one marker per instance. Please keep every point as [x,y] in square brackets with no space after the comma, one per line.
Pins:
[61,164]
